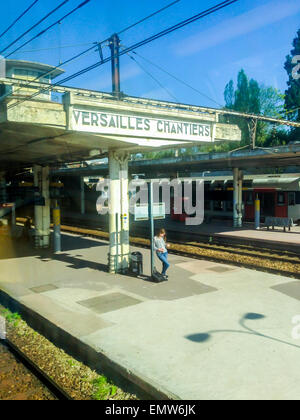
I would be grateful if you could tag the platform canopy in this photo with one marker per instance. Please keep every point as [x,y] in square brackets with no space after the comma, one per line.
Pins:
[88,124]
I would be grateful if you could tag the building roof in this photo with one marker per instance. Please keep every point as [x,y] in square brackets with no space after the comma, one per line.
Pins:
[275,157]
[33,65]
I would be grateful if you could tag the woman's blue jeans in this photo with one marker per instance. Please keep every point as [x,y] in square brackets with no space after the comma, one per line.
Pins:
[163,256]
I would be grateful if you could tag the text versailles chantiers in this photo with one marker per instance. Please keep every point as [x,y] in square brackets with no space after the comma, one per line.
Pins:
[112,121]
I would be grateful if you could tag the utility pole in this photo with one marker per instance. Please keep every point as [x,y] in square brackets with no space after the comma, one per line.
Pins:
[252,125]
[114,45]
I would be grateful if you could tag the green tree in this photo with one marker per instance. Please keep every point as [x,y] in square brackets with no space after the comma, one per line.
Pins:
[246,99]
[254,98]
[292,94]
[229,95]
[242,93]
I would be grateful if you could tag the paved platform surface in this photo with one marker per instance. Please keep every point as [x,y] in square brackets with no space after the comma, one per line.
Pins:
[216,228]
[211,332]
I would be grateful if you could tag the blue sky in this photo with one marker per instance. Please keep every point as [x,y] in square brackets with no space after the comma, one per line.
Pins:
[252,34]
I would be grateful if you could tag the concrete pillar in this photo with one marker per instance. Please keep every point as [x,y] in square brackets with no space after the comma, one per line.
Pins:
[42,212]
[235,197]
[82,196]
[125,248]
[114,213]
[118,213]
[3,194]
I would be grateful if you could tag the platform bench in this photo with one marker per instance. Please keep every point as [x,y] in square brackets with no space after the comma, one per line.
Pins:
[284,222]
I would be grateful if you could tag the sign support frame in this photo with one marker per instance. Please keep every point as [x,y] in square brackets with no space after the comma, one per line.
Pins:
[151,221]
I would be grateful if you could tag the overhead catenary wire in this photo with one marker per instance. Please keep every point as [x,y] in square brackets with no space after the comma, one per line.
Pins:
[72,59]
[176,78]
[98,44]
[50,27]
[154,78]
[146,41]
[291,111]
[119,33]
[154,37]
[192,87]
[148,17]
[94,45]
[19,18]
[57,47]
[35,25]
[150,39]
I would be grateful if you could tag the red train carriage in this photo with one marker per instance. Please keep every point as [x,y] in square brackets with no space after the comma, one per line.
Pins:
[279,196]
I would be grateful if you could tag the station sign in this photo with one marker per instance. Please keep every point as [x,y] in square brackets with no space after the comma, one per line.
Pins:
[138,126]
[141,212]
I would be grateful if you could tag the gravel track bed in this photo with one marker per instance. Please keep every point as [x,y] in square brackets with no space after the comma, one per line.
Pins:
[17,382]
[256,259]
[76,379]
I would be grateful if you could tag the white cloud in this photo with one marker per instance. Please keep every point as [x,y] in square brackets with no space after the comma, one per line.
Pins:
[257,18]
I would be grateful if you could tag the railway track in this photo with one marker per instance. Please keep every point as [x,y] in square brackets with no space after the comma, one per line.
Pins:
[22,379]
[280,259]
[283,262]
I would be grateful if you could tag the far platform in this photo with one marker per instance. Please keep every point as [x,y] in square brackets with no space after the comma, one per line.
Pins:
[219,231]
[211,332]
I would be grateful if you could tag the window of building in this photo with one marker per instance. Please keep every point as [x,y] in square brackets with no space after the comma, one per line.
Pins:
[30,74]
[292,199]
[281,198]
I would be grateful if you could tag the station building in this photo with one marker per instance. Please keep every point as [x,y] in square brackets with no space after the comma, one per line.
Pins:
[29,72]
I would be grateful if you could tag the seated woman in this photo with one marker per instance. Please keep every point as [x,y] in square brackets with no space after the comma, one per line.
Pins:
[160,246]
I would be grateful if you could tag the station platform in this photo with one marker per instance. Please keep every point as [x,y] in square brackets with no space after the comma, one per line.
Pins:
[217,231]
[211,332]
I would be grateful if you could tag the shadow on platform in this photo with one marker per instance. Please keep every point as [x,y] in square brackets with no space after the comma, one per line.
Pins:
[20,248]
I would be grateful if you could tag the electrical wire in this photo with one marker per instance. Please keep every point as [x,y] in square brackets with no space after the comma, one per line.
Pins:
[154,78]
[57,47]
[177,78]
[291,111]
[154,37]
[57,67]
[19,18]
[119,33]
[137,45]
[50,27]
[99,44]
[35,25]
[148,17]
[84,52]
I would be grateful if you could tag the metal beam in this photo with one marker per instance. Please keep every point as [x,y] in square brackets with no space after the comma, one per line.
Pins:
[146,102]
